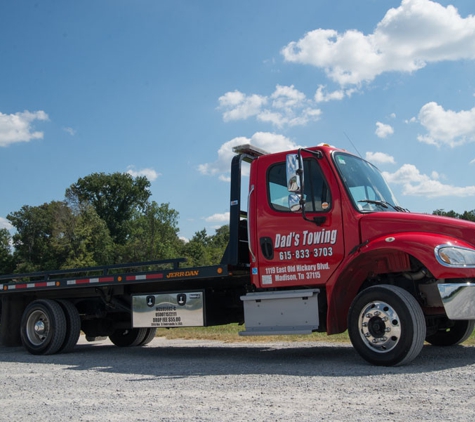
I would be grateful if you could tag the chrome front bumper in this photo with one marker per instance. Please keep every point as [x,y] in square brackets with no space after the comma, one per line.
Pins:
[458,300]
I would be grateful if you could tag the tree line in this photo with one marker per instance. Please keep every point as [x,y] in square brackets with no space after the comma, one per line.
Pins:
[466,215]
[104,219]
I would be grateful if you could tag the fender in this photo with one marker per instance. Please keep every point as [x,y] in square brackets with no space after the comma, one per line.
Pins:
[386,254]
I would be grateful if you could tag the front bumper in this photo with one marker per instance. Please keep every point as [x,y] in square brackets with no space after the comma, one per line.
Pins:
[458,300]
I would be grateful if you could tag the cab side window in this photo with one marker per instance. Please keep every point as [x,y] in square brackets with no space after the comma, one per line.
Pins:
[316,192]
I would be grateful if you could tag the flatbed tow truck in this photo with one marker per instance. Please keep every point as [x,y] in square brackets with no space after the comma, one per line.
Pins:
[322,246]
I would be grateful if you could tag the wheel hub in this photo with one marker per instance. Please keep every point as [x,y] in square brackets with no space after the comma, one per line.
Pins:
[37,328]
[40,328]
[379,327]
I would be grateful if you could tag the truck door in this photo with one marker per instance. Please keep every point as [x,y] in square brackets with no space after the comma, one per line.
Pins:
[288,249]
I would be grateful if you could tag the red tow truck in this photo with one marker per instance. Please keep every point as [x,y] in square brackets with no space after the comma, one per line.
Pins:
[317,243]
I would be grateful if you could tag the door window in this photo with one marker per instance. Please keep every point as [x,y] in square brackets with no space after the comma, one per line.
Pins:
[316,192]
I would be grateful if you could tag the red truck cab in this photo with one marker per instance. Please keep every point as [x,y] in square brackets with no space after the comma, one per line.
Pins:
[325,220]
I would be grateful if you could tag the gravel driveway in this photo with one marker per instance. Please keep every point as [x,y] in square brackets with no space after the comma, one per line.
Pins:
[184,380]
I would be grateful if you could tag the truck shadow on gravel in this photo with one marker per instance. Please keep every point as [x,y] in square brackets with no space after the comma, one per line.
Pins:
[163,360]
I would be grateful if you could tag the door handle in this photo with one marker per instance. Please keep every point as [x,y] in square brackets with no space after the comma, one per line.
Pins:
[267,247]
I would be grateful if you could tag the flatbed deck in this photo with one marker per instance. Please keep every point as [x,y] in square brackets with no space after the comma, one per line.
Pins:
[113,275]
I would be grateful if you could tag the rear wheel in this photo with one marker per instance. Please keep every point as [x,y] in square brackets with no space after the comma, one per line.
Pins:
[451,336]
[149,336]
[43,327]
[386,325]
[73,326]
[128,337]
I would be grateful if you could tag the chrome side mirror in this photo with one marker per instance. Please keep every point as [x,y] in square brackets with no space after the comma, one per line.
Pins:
[294,202]
[294,174]
[294,167]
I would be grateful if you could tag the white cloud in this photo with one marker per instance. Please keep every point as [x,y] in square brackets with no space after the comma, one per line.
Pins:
[69,130]
[218,218]
[270,142]
[322,97]
[383,130]
[5,224]
[416,184]
[379,158]
[446,127]
[287,97]
[407,38]
[240,106]
[18,127]
[149,173]
[286,106]
[273,117]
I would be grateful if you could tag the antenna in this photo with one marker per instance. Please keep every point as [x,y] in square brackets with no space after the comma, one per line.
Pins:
[347,137]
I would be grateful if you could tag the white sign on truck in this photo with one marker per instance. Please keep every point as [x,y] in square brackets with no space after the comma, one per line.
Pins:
[184,309]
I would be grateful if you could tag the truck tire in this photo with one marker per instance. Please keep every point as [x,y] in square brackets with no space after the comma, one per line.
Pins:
[43,327]
[128,337]
[149,336]
[73,326]
[458,333]
[386,325]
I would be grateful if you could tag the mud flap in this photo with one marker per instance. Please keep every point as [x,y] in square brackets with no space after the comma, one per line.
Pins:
[10,320]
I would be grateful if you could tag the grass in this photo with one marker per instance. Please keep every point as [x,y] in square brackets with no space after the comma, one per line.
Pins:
[230,334]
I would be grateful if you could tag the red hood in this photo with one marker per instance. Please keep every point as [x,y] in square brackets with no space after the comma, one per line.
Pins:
[381,223]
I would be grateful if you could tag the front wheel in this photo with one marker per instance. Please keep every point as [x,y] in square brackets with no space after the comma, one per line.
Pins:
[453,335]
[386,325]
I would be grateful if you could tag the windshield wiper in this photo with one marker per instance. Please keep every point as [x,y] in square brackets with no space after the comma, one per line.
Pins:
[399,209]
[384,204]
[371,201]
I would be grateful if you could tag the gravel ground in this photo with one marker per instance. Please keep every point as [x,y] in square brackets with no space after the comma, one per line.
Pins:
[184,380]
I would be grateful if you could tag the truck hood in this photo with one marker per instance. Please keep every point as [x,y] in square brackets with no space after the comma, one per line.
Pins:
[380,223]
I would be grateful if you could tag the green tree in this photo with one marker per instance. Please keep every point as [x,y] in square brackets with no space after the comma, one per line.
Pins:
[217,244]
[466,215]
[443,213]
[6,256]
[53,236]
[221,238]
[115,197]
[81,238]
[203,249]
[33,238]
[196,250]
[153,234]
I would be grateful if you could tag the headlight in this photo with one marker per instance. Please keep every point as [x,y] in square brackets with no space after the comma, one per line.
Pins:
[455,256]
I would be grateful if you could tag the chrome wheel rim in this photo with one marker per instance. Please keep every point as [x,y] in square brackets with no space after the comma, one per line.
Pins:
[379,326]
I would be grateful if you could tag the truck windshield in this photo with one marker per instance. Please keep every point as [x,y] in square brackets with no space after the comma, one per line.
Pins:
[365,184]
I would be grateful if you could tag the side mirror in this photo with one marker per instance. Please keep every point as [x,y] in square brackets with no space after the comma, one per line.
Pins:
[294,202]
[294,173]
[294,169]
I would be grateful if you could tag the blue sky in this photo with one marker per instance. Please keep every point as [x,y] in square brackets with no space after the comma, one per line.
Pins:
[166,88]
